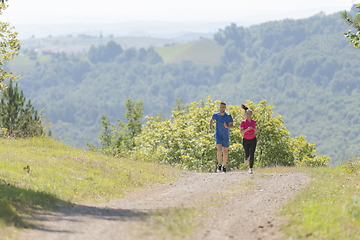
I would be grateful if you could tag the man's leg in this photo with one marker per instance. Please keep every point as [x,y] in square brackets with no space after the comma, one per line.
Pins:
[219,153]
[219,167]
[225,150]
[225,155]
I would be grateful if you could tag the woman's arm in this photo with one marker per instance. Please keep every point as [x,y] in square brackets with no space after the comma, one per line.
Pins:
[242,130]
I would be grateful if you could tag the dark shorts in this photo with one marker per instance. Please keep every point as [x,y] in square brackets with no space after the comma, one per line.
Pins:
[223,141]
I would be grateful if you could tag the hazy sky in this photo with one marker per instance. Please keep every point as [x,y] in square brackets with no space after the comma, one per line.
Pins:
[111,11]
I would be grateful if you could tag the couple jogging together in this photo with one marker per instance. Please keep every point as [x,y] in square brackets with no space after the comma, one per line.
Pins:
[224,122]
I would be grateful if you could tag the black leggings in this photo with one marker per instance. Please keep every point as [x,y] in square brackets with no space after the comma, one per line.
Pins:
[249,147]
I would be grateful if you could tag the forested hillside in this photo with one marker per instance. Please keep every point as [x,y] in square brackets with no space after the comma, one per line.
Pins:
[305,68]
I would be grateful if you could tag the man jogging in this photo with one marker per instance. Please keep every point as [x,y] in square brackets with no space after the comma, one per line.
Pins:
[224,122]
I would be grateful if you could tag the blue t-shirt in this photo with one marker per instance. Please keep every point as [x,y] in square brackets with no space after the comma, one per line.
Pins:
[221,131]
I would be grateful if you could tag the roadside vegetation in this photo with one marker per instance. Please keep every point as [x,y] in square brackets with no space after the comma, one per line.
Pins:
[329,208]
[43,174]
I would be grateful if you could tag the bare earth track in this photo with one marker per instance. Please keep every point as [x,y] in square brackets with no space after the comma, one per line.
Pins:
[237,206]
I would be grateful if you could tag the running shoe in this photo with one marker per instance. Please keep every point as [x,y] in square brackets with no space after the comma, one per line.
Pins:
[250,171]
[224,169]
[219,168]
[246,162]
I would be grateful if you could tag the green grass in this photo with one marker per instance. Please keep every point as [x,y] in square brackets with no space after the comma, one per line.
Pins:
[329,208]
[26,61]
[22,64]
[205,51]
[39,174]
[171,223]
[170,52]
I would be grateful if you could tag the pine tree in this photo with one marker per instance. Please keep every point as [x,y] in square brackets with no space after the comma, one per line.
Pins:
[18,118]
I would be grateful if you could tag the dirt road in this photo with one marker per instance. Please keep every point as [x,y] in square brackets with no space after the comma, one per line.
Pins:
[233,206]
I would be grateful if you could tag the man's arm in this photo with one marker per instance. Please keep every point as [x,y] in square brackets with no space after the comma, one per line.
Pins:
[231,122]
[210,125]
[231,125]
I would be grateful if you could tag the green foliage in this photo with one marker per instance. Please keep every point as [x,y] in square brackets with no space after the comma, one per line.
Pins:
[183,140]
[16,118]
[9,47]
[104,53]
[109,144]
[328,208]
[180,141]
[273,139]
[131,55]
[237,35]
[355,23]
[134,116]
[352,163]
[276,147]
[173,222]
[119,140]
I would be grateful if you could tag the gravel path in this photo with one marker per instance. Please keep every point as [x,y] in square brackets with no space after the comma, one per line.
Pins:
[237,206]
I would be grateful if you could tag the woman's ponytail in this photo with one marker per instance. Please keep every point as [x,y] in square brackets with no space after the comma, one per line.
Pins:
[244,107]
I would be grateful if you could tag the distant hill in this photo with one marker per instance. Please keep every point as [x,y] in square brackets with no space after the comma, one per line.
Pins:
[82,43]
[205,51]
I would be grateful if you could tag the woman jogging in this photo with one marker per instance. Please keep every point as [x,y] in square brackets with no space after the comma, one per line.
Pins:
[248,130]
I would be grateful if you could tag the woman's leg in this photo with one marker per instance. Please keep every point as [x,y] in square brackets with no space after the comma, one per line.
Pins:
[252,148]
[246,145]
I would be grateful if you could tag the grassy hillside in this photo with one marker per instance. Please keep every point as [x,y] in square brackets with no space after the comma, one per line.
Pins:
[22,64]
[40,174]
[205,51]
